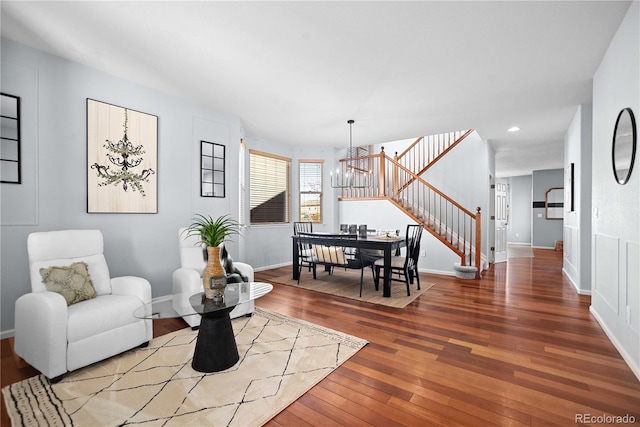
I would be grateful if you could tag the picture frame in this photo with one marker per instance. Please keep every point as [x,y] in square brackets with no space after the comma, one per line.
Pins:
[122,159]
[568,188]
[553,203]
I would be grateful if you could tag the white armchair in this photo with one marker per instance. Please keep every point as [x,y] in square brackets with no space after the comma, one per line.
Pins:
[56,338]
[187,280]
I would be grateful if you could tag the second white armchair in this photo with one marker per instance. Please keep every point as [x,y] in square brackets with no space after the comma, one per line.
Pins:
[187,280]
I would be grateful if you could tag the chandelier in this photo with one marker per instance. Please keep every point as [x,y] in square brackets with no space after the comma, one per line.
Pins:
[352,173]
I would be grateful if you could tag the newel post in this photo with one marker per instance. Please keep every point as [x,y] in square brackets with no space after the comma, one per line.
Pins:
[478,242]
[382,174]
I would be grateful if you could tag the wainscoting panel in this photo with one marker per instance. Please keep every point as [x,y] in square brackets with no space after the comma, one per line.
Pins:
[570,263]
[606,270]
[633,285]
[571,246]
[20,201]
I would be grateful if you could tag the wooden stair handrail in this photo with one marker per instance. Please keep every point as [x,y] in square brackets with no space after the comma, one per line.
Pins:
[422,181]
[438,157]
[410,147]
[449,148]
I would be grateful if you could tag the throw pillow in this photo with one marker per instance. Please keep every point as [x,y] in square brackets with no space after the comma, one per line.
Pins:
[227,264]
[73,282]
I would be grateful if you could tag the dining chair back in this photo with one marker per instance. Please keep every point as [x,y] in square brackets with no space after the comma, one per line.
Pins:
[305,252]
[405,268]
[302,227]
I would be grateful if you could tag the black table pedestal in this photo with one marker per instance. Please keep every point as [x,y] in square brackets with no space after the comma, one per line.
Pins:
[216,348]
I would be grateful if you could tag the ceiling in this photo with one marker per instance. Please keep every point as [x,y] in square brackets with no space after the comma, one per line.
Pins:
[296,71]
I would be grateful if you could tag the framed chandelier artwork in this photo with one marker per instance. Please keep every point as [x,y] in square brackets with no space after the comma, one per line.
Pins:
[122,160]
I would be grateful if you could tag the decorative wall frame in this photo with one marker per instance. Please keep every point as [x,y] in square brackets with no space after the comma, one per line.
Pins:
[212,169]
[10,139]
[122,160]
[568,188]
[554,203]
[623,147]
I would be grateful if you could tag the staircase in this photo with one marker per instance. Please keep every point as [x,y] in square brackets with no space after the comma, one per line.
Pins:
[394,179]
[427,150]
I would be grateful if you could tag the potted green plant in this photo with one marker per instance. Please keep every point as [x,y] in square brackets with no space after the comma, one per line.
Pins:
[212,233]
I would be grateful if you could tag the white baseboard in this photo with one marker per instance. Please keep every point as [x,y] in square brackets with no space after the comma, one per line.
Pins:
[627,358]
[163,298]
[519,244]
[576,287]
[444,273]
[269,267]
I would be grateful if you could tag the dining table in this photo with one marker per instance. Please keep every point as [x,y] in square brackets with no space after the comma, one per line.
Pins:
[388,244]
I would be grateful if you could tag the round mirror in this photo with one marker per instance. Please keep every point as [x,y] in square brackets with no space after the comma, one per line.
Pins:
[624,145]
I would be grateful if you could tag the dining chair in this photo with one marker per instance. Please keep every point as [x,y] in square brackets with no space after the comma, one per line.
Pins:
[305,252]
[406,268]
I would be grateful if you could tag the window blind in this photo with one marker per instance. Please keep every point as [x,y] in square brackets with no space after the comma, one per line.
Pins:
[269,188]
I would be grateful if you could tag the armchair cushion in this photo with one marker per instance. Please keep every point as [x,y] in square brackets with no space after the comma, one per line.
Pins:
[72,282]
[102,314]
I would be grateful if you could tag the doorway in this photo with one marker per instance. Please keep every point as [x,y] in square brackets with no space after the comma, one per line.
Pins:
[501,219]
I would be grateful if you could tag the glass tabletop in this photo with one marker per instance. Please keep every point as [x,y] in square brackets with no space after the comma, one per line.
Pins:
[190,304]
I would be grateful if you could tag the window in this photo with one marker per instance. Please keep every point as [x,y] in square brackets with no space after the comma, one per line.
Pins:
[269,184]
[242,182]
[310,190]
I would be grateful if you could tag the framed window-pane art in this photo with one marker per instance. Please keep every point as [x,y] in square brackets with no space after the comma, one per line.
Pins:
[10,139]
[211,169]
[122,160]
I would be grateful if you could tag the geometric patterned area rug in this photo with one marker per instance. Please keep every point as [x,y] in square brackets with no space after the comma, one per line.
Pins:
[346,283]
[281,358]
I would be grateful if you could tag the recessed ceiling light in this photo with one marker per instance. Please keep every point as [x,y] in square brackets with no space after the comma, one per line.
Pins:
[513,129]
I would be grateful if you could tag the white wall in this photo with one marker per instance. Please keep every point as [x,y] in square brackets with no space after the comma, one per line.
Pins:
[268,246]
[615,258]
[577,223]
[545,232]
[382,214]
[53,194]
[519,228]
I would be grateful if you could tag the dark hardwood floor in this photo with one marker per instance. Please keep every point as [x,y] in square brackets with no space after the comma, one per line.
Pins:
[518,347]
